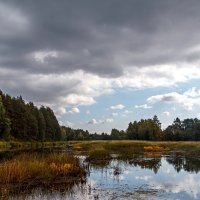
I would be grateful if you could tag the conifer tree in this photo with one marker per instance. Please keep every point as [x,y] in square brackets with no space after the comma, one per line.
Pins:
[4,122]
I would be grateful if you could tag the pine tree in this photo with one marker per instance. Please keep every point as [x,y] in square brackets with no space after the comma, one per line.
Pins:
[41,126]
[4,122]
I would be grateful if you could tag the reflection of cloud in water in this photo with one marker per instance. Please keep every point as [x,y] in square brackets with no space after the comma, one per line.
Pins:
[92,182]
[127,172]
[189,184]
[166,168]
[121,177]
[144,178]
[167,171]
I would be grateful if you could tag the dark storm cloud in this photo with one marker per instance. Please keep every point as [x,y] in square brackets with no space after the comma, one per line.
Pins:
[66,52]
[100,37]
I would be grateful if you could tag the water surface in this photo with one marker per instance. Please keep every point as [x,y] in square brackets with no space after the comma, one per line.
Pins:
[173,176]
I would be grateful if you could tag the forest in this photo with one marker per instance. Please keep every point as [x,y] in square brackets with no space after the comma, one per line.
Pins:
[25,121]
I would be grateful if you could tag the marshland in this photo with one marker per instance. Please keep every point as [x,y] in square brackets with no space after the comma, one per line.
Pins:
[103,170]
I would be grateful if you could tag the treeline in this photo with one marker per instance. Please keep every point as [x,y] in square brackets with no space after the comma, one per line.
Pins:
[79,134]
[150,129]
[145,129]
[20,120]
[25,121]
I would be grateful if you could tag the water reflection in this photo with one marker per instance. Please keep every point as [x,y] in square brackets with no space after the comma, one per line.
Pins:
[138,180]
[178,160]
[187,186]
[142,176]
[187,163]
[45,190]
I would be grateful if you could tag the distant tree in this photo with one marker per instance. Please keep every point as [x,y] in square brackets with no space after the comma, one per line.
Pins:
[132,131]
[156,126]
[63,133]
[197,130]
[144,129]
[168,133]
[19,118]
[81,136]
[41,126]
[105,136]
[32,131]
[177,129]
[115,134]
[4,122]
[177,123]
[53,131]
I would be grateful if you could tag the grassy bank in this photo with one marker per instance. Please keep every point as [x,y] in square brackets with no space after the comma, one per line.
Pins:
[115,146]
[4,145]
[128,146]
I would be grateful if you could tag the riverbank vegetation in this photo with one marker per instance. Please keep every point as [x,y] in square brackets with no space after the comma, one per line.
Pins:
[128,147]
[38,169]
[145,154]
[20,145]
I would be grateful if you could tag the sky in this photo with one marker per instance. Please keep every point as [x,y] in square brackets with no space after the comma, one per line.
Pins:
[100,64]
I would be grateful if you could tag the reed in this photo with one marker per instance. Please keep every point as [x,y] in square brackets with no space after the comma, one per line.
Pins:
[34,168]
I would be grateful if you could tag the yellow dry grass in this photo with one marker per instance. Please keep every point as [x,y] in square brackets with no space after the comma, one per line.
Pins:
[27,168]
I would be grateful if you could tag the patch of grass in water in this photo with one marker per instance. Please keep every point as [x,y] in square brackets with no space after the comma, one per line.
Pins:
[27,169]
[127,148]
[98,155]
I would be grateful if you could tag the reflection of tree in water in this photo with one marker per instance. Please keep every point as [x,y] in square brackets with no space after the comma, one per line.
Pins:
[147,163]
[97,166]
[111,168]
[100,166]
[192,164]
[188,163]
[145,160]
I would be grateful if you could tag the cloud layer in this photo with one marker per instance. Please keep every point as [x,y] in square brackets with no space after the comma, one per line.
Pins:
[187,100]
[66,54]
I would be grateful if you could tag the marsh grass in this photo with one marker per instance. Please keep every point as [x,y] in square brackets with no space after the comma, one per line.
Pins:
[88,145]
[15,144]
[117,145]
[127,149]
[98,155]
[34,168]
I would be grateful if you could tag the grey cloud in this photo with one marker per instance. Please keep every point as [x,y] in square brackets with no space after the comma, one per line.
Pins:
[103,38]
[37,88]
[115,33]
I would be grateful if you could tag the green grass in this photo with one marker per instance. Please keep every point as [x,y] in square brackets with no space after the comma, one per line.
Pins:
[130,147]
[15,144]
[114,146]
[98,155]
[88,145]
